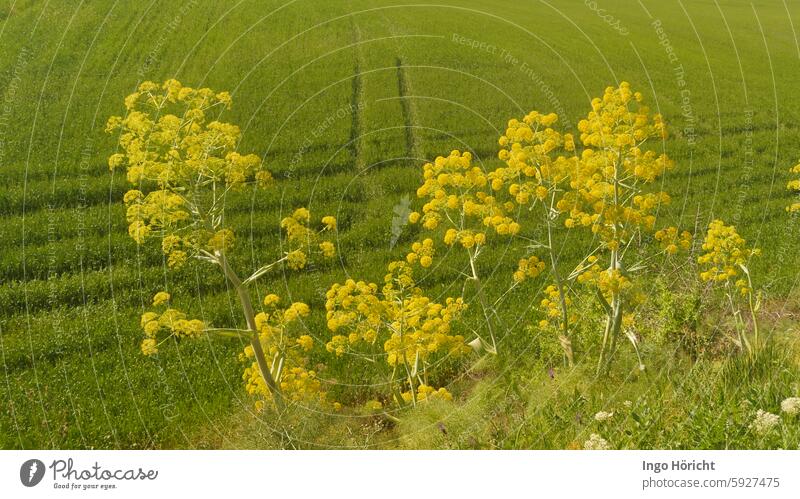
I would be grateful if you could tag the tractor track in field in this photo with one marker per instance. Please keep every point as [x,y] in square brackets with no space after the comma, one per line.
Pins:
[409,112]
[406,94]
[356,103]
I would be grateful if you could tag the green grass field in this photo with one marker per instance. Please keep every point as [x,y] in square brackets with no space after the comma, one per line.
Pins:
[345,101]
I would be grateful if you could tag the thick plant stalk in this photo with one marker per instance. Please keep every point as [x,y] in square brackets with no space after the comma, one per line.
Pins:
[616,329]
[564,339]
[606,331]
[755,323]
[492,349]
[409,377]
[610,336]
[607,350]
[752,307]
[613,310]
[744,343]
[249,313]
[613,323]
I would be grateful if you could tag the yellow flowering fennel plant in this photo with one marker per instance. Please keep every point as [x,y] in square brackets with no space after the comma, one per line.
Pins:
[398,324]
[538,163]
[611,192]
[724,262]
[459,200]
[182,163]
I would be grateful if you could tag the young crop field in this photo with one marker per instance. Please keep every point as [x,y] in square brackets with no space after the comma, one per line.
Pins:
[344,103]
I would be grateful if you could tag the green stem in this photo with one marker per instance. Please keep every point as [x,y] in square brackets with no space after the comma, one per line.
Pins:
[616,329]
[743,341]
[613,323]
[398,398]
[255,342]
[613,311]
[606,332]
[484,305]
[755,322]
[565,340]
[752,307]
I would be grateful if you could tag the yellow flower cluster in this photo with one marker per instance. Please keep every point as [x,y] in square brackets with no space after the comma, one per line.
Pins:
[613,282]
[425,392]
[421,328]
[608,186]
[422,252]
[173,150]
[466,238]
[170,320]
[373,405]
[178,248]
[161,298]
[303,240]
[619,120]
[672,242]
[409,326]
[538,158]
[794,185]
[222,240]
[456,193]
[607,280]
[610,282]
[299,383]
[725,256]
[529,268]
[158,210]
[356,308]
[551,306]
[279,331]
[296,259]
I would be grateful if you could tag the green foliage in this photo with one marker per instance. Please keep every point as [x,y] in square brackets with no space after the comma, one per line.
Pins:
[680,317]
[711,408]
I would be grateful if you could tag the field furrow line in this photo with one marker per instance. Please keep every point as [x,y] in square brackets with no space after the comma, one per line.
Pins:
[409,110]
[356,102]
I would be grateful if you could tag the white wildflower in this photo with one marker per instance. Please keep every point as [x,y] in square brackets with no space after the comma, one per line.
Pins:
[764,422]
[603,416]
[596,442]
[791,406]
